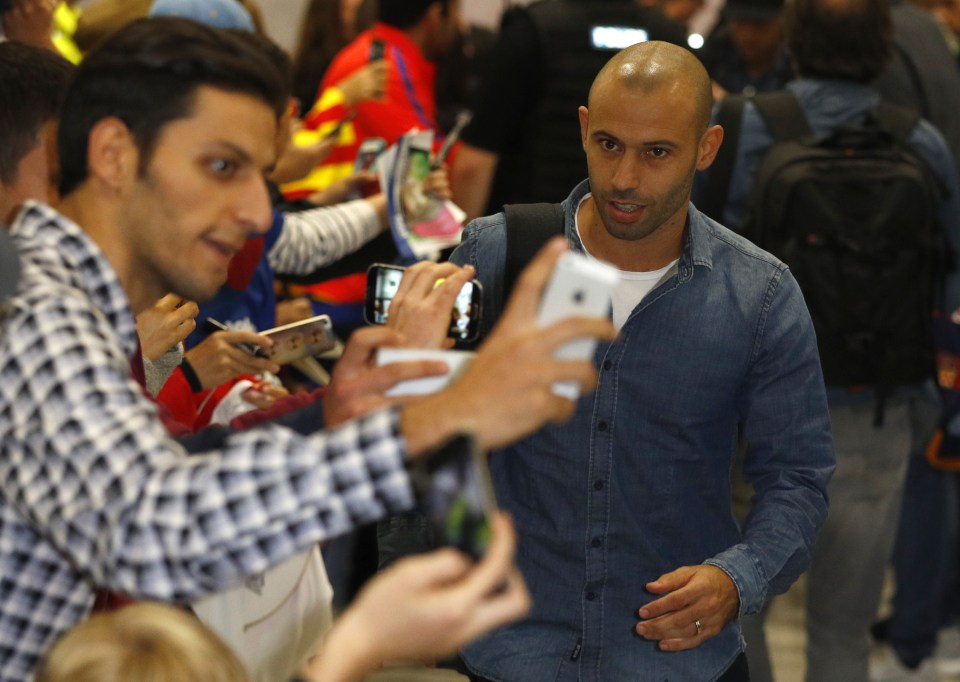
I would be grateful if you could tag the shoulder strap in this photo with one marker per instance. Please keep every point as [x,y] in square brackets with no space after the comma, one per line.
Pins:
[782,114]
[529,226]
[729,117]
[896,120]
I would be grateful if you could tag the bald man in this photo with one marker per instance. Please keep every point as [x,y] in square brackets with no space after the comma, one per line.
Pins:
[637,567]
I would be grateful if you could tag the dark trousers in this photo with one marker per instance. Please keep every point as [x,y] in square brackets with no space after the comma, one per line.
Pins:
[737,672]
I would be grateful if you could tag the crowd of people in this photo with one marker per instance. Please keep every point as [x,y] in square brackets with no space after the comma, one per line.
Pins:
[173,184]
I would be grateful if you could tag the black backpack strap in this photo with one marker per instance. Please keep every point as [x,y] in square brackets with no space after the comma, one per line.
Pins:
[896,120]
[782,114]
[729,117]
[529,227]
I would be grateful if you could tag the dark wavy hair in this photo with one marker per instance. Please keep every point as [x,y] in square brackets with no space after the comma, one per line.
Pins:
[33,82]
[403,14]
[147,74]
[839,39]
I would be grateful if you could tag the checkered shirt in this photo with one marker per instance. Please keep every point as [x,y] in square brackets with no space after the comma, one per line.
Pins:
[94,493]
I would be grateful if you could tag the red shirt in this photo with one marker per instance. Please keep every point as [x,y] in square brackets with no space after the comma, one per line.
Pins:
[410,100]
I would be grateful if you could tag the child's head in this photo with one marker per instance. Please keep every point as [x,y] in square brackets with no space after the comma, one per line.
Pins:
[141,643]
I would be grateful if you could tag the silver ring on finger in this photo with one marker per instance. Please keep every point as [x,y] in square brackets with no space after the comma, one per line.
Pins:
[699,627]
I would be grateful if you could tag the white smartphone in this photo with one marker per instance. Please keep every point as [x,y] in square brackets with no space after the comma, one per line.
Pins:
[301,339]
[579,286]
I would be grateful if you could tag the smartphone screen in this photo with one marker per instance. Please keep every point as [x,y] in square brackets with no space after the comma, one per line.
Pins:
[369,152]
[382,283]
[459,497]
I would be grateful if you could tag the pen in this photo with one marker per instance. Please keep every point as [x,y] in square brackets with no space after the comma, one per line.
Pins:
[211,325]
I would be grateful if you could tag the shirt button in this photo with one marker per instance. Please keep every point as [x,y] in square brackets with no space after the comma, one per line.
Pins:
[596,542]
[598,485]
[591,596]
[607,364]
[602,426]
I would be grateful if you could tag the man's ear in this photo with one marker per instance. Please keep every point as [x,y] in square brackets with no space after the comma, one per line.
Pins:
[584,114]
[112,154]
[709,146]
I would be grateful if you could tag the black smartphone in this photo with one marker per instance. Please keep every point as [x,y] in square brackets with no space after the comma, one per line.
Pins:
[457,494]
[382,283]
[378,50]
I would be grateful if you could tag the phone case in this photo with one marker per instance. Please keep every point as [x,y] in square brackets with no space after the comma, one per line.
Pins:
[579,286]
[306,338]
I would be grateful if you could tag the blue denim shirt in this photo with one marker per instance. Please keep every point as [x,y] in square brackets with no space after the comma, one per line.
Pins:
[637,483]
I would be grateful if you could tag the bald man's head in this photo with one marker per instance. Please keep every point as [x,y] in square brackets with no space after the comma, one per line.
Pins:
[651,66]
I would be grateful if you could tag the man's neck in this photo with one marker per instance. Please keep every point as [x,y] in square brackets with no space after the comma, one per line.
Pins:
[99,218]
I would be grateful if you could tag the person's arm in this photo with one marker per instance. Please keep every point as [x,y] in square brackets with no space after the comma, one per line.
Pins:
[87,463]
[472,177]
[424,608]
[789,461]
[317,237]
[790,457]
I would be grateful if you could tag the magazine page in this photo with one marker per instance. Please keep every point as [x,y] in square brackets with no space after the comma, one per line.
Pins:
[422,225]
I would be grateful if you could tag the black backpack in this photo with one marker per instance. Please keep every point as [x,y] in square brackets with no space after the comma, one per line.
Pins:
[854,215]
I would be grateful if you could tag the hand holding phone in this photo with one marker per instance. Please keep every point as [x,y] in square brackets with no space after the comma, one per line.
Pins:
[384,283]
[579,286]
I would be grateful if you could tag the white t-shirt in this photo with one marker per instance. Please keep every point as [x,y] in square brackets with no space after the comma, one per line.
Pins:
[633,286]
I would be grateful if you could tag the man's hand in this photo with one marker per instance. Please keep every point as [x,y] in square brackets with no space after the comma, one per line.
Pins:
[506,391]
[218,359]
[30,21]
[420,310]
[358,385]
[366,83]
[297,161]
[425,608]
[703,594]
[165,325]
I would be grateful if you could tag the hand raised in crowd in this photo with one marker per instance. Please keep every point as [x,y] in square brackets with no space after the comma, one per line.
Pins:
[297,159]
[699,601]
[437,184]
[425,608]
[218,358]
[420,310]
[358,385]
[367,83]
[506,391]
[30,21]
[165,325]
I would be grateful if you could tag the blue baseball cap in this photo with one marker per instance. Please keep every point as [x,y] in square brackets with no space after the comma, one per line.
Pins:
[216,13]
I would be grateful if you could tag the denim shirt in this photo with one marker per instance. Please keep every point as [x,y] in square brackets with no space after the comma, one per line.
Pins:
[637,483]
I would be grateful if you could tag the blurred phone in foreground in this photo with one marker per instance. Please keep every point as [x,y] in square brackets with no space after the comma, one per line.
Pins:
[458,497]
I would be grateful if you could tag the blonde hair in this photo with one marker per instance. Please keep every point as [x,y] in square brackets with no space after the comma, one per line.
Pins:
[141,643]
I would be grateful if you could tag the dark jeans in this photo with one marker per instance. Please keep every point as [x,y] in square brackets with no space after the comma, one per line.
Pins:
[737,672]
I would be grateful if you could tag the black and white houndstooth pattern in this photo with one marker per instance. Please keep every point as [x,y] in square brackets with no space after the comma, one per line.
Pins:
[93,493]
